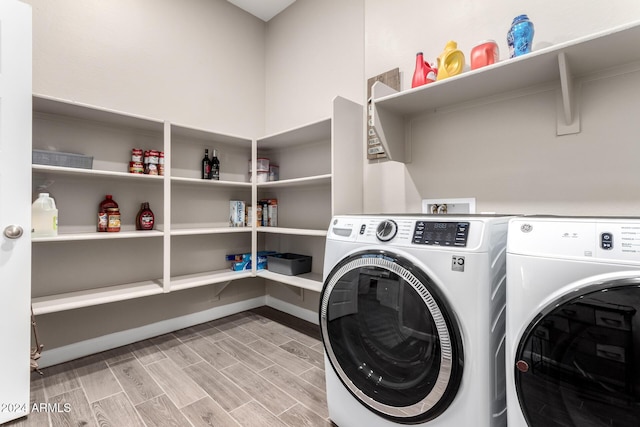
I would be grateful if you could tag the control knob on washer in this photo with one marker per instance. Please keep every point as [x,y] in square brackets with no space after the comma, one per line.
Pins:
[386,230]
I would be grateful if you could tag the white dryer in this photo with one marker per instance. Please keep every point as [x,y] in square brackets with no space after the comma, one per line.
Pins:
[412,320]
[573,322]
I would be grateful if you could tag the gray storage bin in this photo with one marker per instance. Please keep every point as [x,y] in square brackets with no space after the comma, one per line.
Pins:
[289,264]
[57,158]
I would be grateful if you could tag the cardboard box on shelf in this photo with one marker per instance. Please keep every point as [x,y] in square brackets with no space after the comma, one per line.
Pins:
[243,261]
[236,213]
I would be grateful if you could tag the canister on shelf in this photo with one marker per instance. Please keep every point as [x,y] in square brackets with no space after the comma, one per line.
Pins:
[274,172]
[161,163]
[486,53]
[103,216]
[151,157]
[520,36]
[103,220]
[136,155]
[113,219]
[151,169]
[263,164]
[423,72]
[450,61]
[136,167]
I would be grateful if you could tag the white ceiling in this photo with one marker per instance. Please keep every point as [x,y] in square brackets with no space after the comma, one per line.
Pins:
[263,9]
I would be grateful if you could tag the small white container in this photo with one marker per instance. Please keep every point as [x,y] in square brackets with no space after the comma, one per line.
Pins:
[263,165]
[274,173]
[263,176]
[44,217]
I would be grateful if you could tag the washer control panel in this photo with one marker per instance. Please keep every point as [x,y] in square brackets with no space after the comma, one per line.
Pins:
[424,232]
[441,233]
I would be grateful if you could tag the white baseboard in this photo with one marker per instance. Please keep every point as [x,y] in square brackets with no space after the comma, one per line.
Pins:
[117,339]
[292,309]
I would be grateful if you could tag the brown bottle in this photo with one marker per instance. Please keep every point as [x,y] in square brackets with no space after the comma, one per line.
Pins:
[145,218]
[107,203]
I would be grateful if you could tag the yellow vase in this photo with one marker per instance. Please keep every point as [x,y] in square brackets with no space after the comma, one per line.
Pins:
[450,61]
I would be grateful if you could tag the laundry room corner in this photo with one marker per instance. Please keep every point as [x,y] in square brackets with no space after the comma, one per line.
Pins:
[504,149]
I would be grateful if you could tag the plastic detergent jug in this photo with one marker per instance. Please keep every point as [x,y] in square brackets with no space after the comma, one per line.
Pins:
[44,217]
[423,73]
[450,61]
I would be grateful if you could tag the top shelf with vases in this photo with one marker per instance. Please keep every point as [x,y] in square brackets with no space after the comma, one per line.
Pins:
[564,64]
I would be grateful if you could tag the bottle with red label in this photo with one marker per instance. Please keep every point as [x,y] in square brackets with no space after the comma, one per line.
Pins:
[103,219]
[145,219]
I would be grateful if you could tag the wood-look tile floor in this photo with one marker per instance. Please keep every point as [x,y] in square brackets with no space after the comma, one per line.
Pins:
[256,368]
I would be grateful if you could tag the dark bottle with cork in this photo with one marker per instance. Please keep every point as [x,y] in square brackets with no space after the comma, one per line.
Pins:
[205,167]
[145,219]
[214,166]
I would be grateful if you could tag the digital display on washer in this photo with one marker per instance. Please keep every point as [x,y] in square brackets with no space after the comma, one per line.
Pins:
[441,233]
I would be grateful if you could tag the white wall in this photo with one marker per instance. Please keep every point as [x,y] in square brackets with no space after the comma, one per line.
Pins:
[507,153]
[314,51]
[199,63]
[193,62]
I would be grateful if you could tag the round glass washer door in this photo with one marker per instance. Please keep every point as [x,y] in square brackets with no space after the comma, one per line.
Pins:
[390,336]
[577,363]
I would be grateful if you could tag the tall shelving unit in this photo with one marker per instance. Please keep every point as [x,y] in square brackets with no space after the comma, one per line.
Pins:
[200,235]
[81,267]
[320,176]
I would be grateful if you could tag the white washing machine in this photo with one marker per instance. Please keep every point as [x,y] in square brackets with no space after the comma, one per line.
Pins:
[573,322]
[412,320]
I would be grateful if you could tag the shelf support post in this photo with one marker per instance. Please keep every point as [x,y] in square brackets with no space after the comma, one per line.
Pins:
[568,120]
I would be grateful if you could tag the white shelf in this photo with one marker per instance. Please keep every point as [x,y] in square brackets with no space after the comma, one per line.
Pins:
[310,281]
[207,278]
[308,152]
[298,182]
[293,231]
[308,133]
[210,182]
[202,135]
[94,173]
[560,64]
[89,297]
[67,237]
[61,107]
[187,231]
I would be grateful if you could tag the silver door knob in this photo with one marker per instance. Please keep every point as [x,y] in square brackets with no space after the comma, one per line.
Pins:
[13,232]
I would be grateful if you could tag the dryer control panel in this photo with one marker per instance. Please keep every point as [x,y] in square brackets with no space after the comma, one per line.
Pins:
[613,239]
[441,233]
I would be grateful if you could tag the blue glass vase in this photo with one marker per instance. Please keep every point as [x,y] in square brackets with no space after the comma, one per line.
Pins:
[520,36]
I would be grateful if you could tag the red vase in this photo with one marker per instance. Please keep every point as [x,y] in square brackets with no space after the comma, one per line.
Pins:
[423,73]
